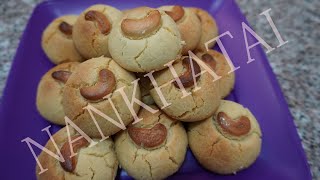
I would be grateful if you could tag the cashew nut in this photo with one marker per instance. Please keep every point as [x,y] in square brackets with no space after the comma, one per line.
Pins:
[176,13]
[148,138]
[137,28]
[65,28]
[70,163]
[62,76]
[208,59]
[104,24]
[105,85]
[238,127]
[187,77]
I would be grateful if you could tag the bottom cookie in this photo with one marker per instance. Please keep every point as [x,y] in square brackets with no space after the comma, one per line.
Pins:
[227,142]
[96,162]
[154,148]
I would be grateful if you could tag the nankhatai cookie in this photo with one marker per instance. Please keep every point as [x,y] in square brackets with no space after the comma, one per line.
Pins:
[92,30]
[201,102]
[57,41]
[50,92]
[96,162]
[227,142]
[209,28]
[144,40]
[189,26]
[95,82]
[221,67]
[153,148]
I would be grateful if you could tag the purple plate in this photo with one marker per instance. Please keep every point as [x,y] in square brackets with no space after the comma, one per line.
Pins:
[282,156]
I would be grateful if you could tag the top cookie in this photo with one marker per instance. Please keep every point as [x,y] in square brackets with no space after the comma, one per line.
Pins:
[91,30]
[188,24]
[57,40]
[209,29]
[139,40]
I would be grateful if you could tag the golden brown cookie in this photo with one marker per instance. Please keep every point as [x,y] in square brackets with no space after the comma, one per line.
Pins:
[209,28]
[91,84]
[197,106]
[221,68]
[57,40]
[50,92]
[96,162]
[154,148]
[188,23]
[227,142]
[139,40]
[92,30]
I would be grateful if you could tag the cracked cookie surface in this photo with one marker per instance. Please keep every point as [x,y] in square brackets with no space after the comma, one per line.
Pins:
[86,75]
[227,80]
[145,53]
[200,105]
[95,163]
[219,151]
[58,46]
[50,93]
[156,162]
[88,39]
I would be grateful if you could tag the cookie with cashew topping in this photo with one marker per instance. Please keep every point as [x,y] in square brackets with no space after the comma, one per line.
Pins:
[209,28]
[227,142]
[96,162]
[92,30]
[94,83]
[219,64]
[199,105]
[188,23]
[57,41]
[50,92]
[154,148]
[138,41]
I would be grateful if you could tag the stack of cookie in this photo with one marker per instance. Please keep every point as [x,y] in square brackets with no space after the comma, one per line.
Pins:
[132,70]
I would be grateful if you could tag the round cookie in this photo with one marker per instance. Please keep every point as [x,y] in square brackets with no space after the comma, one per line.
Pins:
[199,105]
[189,26]
[145,86]
[209,29]
[139,40]
[92,30]
[57,41]
[153,148]
[93,83]
[50,92]
[96,162]
[226,82]
[227,142]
